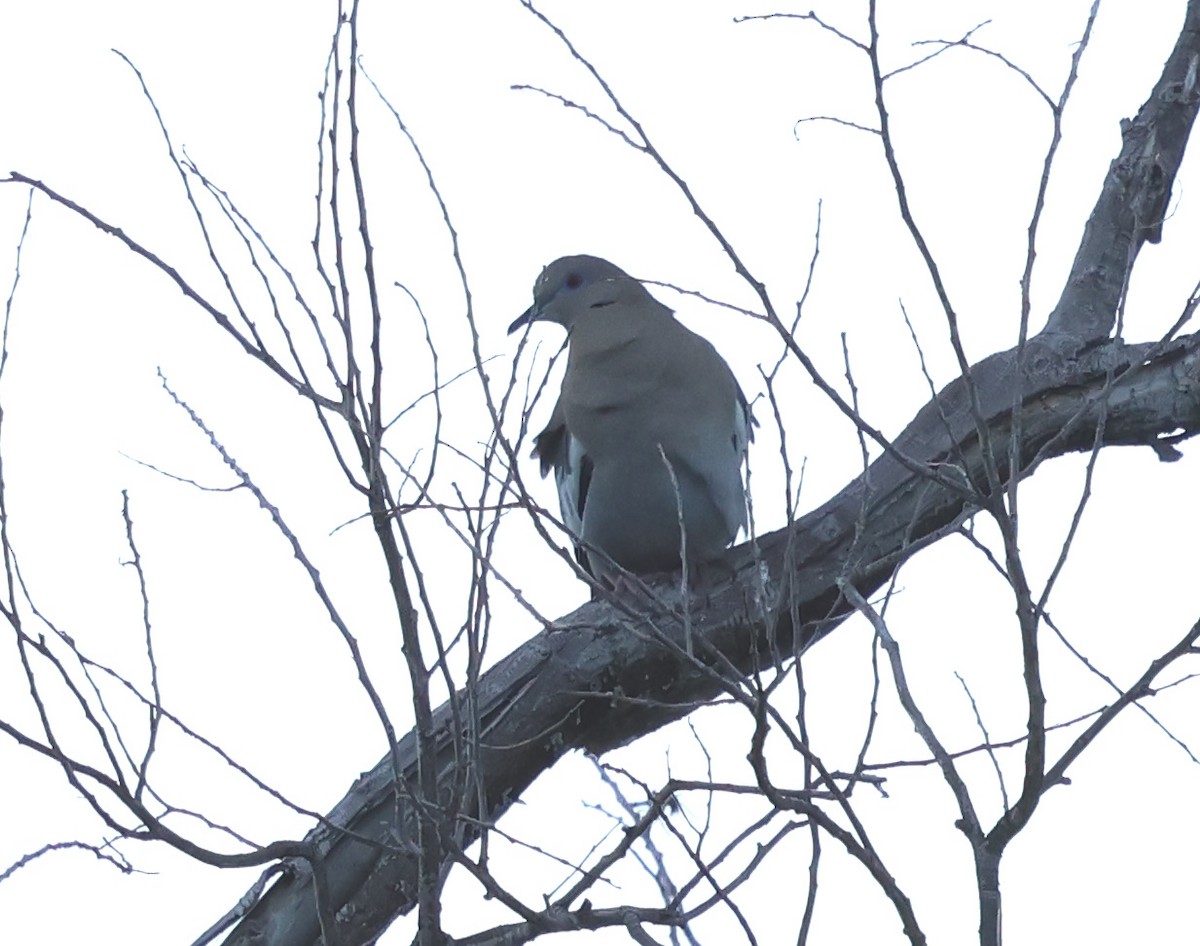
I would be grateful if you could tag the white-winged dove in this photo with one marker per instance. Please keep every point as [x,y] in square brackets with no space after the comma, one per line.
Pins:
[650,423]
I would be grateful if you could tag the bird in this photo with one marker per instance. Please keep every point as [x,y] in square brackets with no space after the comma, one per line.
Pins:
[650,428]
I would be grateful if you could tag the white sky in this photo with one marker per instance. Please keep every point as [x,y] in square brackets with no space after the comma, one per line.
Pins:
[245,655]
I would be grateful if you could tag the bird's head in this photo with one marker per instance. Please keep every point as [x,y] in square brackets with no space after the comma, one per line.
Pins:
[574,287]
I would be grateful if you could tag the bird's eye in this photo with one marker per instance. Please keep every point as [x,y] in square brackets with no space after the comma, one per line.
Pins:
[574,280]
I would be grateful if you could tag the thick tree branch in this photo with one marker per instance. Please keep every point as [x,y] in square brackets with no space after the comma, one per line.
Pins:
[1136,193]
[597,679]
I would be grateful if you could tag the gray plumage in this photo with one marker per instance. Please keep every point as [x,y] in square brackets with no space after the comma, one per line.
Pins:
[637,380]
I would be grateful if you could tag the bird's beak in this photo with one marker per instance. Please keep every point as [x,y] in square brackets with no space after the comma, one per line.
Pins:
[529,315]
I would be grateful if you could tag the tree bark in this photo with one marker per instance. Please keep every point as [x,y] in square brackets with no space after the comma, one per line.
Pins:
[601,677]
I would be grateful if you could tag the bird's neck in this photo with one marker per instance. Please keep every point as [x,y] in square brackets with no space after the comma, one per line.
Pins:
[611,328]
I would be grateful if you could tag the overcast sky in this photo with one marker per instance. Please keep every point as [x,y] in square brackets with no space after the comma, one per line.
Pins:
[244,652]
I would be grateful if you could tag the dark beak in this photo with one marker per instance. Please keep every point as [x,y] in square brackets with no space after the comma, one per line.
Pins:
[529,315]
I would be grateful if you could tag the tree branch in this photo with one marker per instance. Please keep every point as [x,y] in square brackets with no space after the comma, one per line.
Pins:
[598,678]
